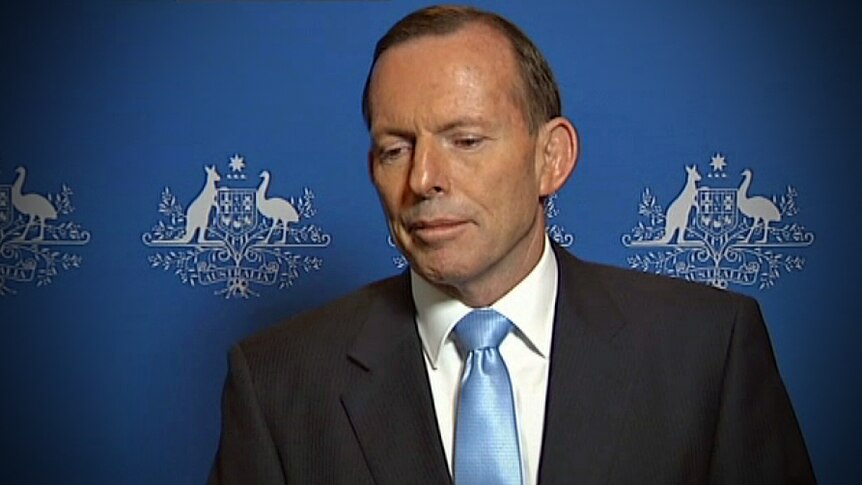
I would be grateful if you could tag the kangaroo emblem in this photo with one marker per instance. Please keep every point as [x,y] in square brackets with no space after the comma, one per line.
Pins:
[198,213]
[676,218]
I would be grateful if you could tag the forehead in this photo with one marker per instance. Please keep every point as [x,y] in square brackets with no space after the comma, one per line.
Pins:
[458,68]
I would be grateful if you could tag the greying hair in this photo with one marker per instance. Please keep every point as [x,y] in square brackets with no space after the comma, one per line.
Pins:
[538,93]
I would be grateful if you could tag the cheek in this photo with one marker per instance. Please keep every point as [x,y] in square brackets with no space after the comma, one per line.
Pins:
[387,189]
[512,187]
[514,200]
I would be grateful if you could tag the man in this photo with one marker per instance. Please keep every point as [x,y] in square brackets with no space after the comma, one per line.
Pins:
[593,374]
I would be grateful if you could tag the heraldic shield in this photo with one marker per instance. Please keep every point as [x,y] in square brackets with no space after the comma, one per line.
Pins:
[717,212]
[236,211]
[6,214]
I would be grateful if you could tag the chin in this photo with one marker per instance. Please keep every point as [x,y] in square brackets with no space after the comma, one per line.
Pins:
[444,271]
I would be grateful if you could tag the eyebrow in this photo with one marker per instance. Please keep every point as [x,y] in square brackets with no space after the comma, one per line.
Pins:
[448,126]
[377,134]
[462,122]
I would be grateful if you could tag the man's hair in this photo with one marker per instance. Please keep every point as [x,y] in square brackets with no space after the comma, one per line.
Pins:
[537,92]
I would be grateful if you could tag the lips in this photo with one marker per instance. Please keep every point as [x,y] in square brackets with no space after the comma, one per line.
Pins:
[437,230]
[434,223]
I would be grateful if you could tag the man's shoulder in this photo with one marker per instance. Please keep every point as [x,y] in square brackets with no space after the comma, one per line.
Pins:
[648,293]
[335,324]
[658,285]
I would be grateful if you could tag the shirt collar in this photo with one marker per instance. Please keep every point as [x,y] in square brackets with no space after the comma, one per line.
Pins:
[529,306]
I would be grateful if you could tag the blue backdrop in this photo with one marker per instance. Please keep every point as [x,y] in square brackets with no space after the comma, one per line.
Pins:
[115,330]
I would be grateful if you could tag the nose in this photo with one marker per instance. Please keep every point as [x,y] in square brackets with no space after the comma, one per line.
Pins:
[428,174]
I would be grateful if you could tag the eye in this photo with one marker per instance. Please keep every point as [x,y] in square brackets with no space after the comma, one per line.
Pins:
[468,142]
[392,152]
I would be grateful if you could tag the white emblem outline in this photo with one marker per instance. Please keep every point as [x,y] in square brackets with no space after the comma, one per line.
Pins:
[718,249]
[24,256]
[236,246]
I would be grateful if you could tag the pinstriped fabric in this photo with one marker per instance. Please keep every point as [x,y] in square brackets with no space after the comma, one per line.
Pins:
[653,381]
[486,437]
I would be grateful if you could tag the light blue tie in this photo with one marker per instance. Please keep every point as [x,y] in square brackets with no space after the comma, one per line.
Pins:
[486,438]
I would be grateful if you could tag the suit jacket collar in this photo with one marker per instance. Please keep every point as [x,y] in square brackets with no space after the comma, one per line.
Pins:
[592,365]
[390,406]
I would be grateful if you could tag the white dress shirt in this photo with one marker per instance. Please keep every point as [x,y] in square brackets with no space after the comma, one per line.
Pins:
[526,351]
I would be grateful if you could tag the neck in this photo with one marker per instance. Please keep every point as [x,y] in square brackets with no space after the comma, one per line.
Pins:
[19,181]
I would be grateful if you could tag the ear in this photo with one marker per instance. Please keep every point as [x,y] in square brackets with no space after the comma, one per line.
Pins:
[556,154]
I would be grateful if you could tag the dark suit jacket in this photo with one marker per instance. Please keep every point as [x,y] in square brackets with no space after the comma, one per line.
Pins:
[652,381]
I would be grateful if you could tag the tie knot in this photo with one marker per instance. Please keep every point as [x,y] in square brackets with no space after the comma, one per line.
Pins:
[481,329]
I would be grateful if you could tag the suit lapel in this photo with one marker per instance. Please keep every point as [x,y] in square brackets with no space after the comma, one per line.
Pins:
[390,405]
[592,368]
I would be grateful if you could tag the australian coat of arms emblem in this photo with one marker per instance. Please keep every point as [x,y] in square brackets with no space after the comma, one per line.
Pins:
[719,235]
[234,236]
[34,235]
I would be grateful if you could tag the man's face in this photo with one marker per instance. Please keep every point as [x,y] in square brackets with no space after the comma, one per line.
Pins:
[454,162]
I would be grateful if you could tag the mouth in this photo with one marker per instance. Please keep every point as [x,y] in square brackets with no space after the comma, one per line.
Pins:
[437,230]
